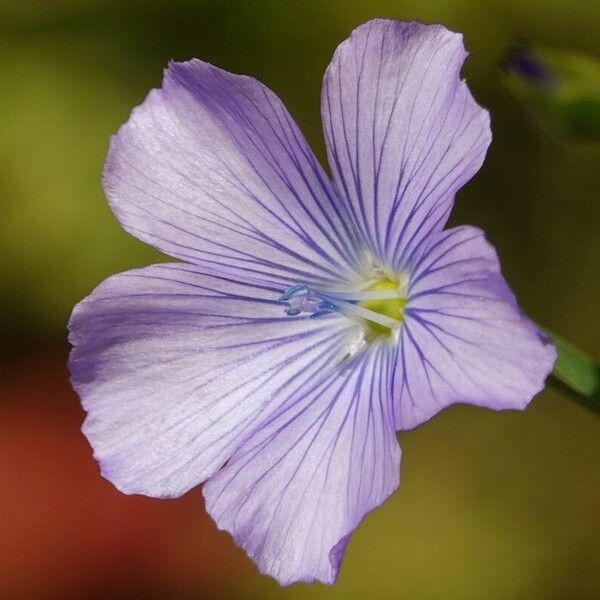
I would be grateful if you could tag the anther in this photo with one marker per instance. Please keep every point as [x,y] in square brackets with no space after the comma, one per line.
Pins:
[300,298]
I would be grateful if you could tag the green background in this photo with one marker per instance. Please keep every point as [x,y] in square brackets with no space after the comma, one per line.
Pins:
[490,505]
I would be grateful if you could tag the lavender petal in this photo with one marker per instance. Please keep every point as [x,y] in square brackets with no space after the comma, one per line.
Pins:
[174,366]
[403,132]
[464,338]
[212,169]
[302,482]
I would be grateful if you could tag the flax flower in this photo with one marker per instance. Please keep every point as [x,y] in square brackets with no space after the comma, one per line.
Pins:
[311,317]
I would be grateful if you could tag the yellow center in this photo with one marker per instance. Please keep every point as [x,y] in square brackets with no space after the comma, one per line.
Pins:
[393,308]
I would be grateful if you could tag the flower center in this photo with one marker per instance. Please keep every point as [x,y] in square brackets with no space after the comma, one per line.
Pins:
[378,304]
[392,307]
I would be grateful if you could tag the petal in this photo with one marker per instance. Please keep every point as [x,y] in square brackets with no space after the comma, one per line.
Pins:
[212,169]
[298,487]
[464,339]
[403,132]
[173,366]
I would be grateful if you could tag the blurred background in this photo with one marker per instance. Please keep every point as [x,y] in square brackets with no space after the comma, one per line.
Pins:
[491,505]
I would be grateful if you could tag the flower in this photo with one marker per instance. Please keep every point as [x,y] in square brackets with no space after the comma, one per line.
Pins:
[311,319]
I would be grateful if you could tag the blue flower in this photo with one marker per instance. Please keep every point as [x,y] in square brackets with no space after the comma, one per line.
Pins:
[312,317]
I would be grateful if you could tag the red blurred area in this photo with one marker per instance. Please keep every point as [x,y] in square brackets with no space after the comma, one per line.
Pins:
[67,532]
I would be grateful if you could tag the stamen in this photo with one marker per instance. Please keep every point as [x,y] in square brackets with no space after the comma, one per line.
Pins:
[359,296]
[356,310]
[300,298]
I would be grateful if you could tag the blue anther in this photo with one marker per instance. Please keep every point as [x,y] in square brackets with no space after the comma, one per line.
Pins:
[301,299]
[294,290]
[326,308]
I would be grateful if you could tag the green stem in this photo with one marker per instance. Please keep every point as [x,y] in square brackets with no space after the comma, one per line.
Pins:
[576,375]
